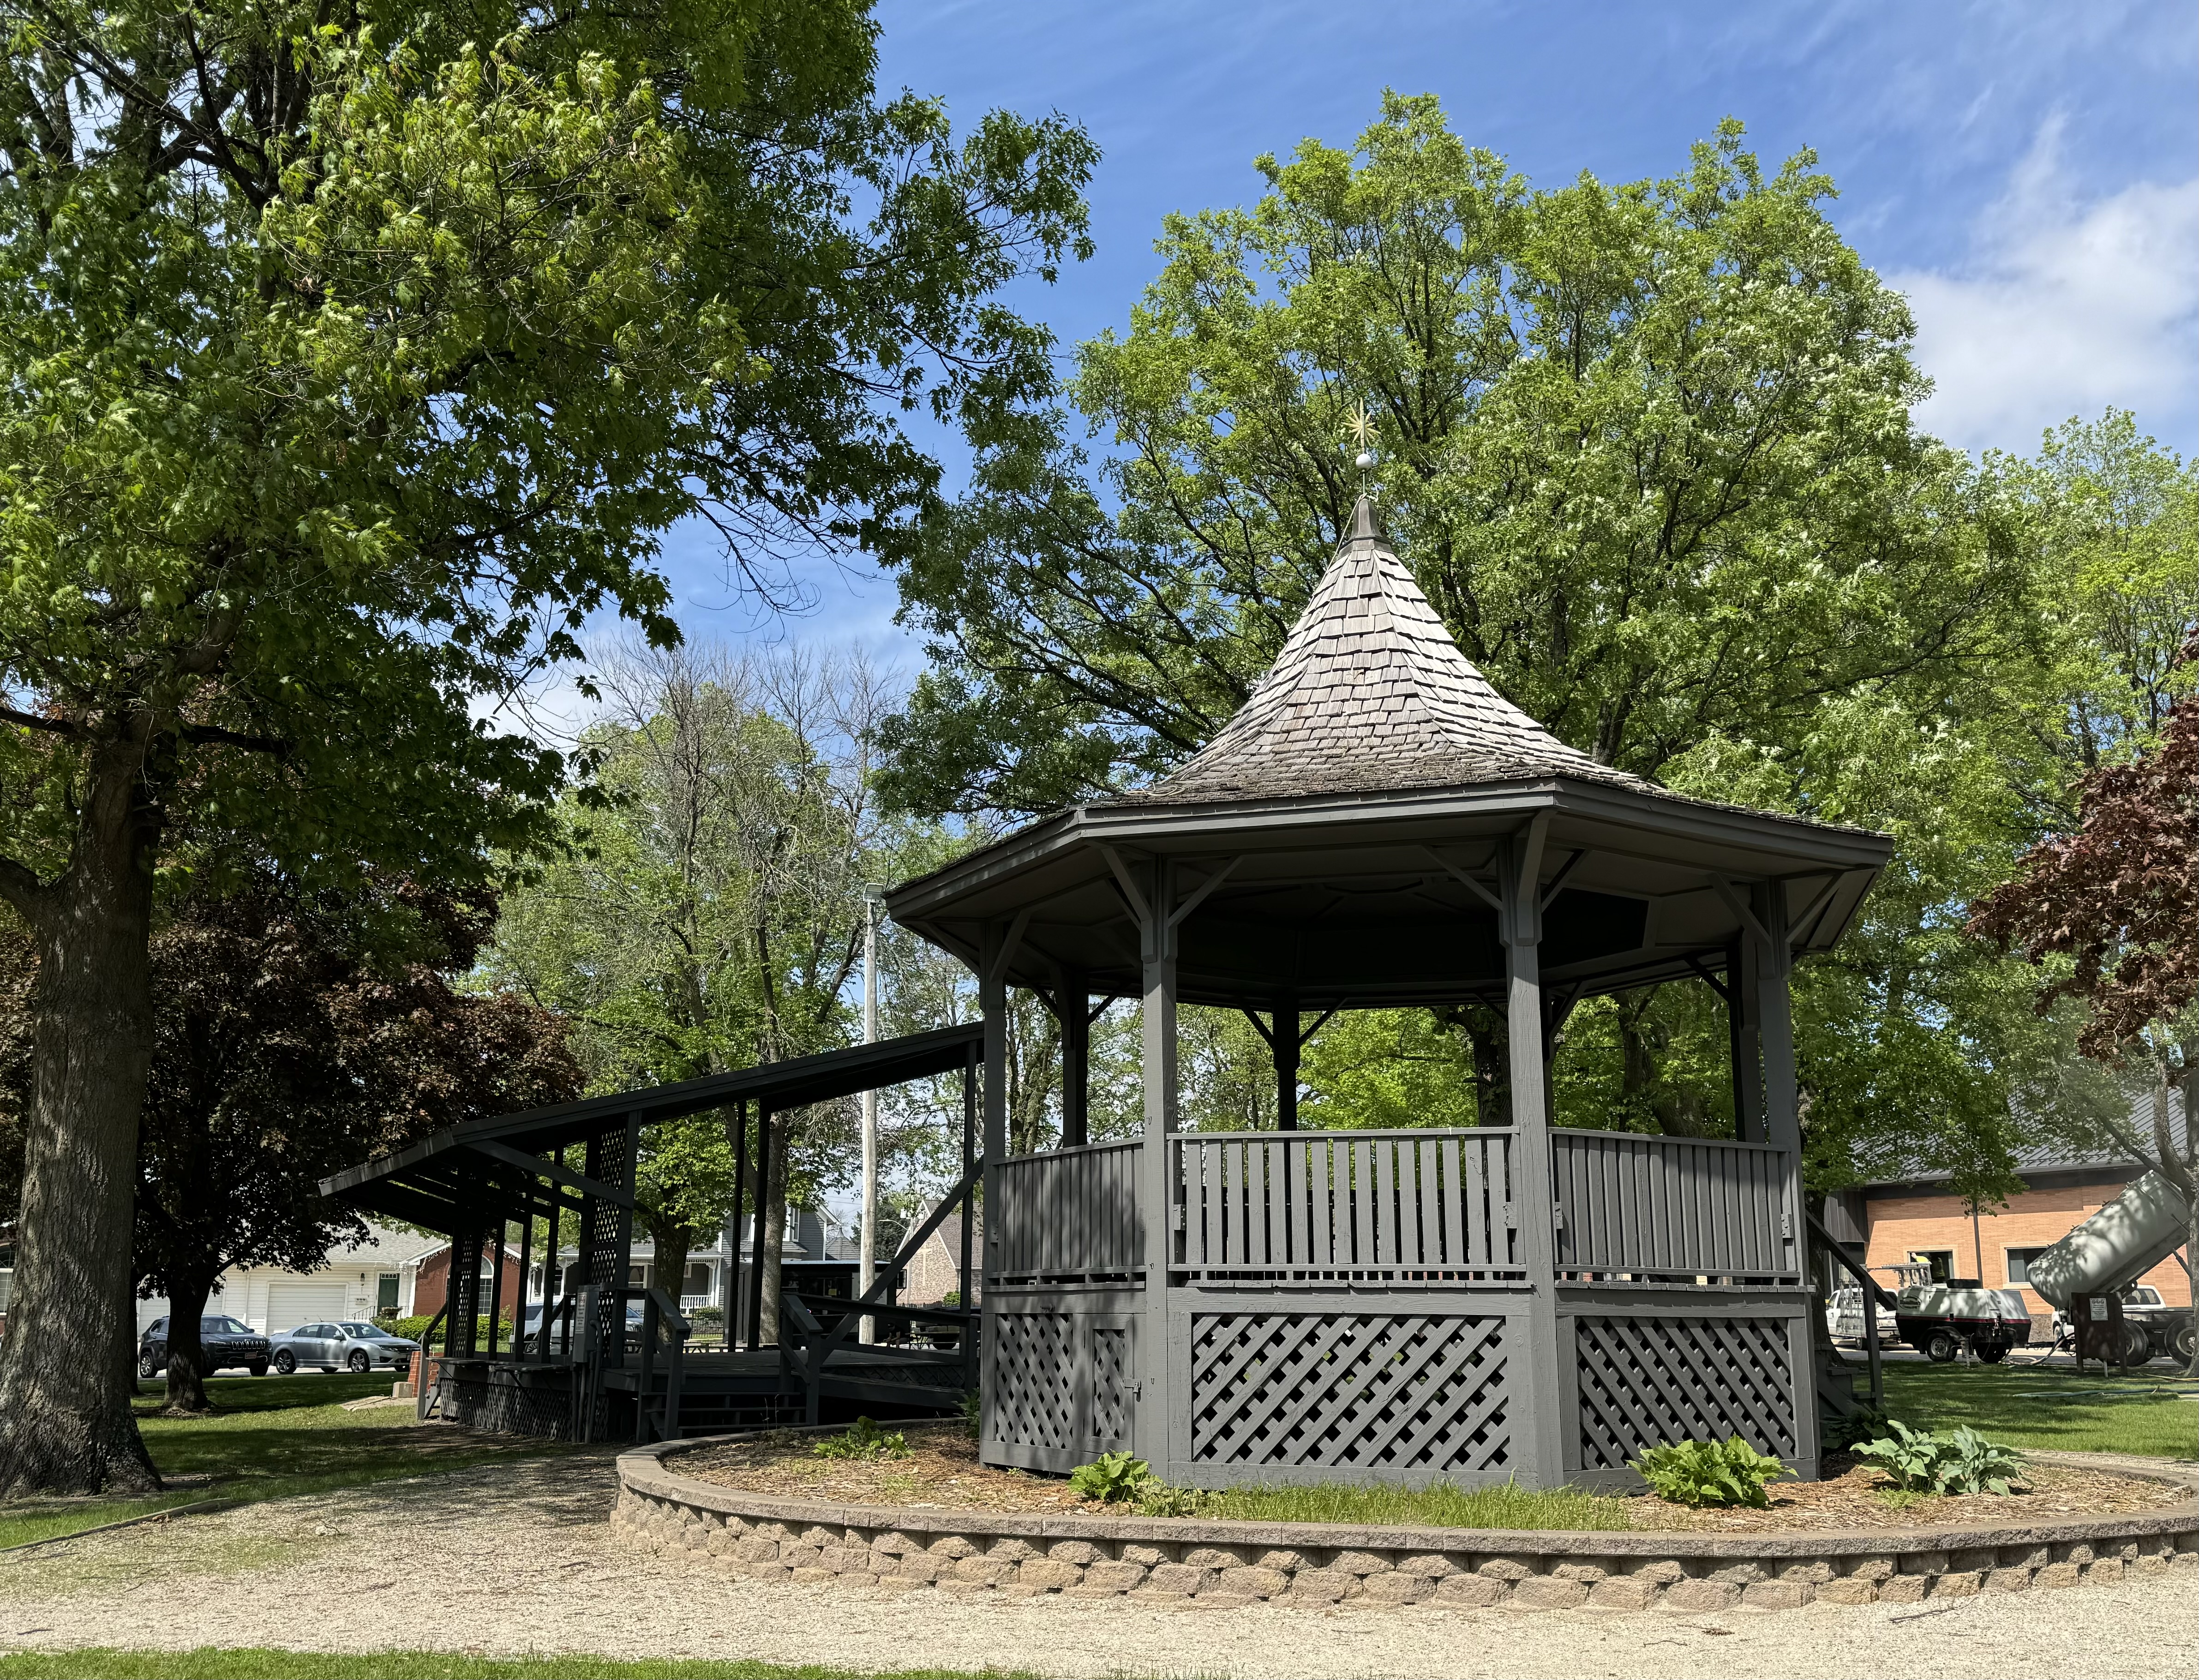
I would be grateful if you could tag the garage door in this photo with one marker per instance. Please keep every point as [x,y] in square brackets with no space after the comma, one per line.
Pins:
[291,1304]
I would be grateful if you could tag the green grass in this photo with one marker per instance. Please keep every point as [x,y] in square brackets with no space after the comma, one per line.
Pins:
[2049,1408]
[212,1663]
[1502,1507]
[274,1437]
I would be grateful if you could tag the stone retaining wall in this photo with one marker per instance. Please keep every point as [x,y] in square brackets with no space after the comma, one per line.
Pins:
[931,1549]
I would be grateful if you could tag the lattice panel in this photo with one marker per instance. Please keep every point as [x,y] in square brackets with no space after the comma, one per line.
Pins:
[463,1294]
[1111,1386]
[1349,1391]
[1034,1379]
[605,1244]
[1646,1382]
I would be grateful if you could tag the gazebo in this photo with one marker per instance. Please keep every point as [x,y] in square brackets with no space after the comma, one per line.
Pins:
[1377,827]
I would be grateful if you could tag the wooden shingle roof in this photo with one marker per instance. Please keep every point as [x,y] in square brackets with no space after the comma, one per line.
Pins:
[1369,693]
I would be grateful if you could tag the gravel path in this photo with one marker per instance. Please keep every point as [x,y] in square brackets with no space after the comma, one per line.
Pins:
[517,1558]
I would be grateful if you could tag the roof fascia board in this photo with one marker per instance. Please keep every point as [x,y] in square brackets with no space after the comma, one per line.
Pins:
[1793,839]
[808,1078]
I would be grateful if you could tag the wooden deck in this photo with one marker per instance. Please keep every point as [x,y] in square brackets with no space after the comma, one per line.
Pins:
[718,1392]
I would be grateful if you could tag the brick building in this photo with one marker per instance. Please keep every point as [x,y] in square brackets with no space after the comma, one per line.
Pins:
[432,1281]
[1919,1220]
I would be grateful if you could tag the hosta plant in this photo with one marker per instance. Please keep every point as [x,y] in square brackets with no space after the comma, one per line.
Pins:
[1844,1434]
[1710,1472]
[1112,1478]
[1961,1460]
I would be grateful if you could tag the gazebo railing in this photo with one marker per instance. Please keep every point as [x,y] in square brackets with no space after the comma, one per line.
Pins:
[1071,1214]
[1421,1202]
[1647,1207]
[1626,1205]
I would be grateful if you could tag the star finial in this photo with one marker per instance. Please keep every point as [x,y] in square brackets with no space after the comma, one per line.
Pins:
[1359,424]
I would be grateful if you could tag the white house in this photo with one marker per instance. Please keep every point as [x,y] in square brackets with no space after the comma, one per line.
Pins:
[377,1276]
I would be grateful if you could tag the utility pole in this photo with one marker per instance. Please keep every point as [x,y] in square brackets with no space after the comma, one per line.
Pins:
[867,1263]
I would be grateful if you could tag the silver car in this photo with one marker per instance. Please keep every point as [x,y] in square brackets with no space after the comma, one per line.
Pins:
[349,1344]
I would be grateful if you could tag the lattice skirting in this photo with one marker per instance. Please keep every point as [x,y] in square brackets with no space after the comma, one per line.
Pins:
[1646,1382]
[499,1399]
[1359,1391]
[1061,1385]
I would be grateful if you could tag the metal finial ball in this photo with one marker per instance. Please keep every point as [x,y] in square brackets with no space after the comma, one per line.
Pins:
[1366,461]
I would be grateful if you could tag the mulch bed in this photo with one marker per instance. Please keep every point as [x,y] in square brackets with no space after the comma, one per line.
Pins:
[941,1471]
[1850,1497]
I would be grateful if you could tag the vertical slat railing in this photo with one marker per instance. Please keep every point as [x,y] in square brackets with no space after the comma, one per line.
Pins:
[1634,1204]
[1071,1213]
[1342,1201]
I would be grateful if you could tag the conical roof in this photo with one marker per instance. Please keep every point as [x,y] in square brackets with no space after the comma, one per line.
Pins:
[1369,694]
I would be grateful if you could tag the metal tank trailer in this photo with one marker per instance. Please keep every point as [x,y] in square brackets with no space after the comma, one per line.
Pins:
[2085,1274]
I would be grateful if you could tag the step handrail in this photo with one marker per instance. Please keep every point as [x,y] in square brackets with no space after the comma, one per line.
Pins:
[659,1310]
[1872,1296]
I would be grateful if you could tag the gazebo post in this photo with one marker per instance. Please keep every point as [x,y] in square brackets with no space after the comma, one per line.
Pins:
[1782,1129]
[1157,1072]
[1775,1022]
[1286,1044]
[1076,1012]
[1744,1014]
[1542,1420]
[996,948]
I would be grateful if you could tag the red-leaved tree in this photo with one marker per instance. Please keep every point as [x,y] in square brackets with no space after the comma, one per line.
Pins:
[293,1034]
[2118,897]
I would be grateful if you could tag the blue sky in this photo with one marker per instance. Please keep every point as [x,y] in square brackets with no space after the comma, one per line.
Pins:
[2028,174]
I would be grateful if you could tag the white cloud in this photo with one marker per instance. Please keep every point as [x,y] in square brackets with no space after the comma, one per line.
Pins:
[2064,307]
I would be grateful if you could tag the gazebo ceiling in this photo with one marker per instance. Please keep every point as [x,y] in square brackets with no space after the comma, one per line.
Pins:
[1372,769]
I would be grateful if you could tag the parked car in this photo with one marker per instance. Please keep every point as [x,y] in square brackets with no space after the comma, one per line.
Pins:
[1942,1318]
[351,1345]
[227,1343]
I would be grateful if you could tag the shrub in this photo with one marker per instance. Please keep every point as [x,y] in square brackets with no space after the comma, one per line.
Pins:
[1111,1477]
[414,1327]
[973,1413]
[1117,1479]
[1920,1461]
[1710,1472]
[864,1439]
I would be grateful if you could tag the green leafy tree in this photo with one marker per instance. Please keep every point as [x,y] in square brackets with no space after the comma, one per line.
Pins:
[705,912]
[353,359]
[2118,517]
[1646,448]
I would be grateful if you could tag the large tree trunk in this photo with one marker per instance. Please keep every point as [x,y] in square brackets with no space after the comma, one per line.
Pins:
[2188,1184]
[1034,1075]
[774,1202]
[672,1244]
[125,1341]
[186,1299]
[1485,1030]
[1678,1113]
[66,1424]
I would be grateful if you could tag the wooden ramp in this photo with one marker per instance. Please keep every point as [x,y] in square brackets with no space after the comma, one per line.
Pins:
[720,1393]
